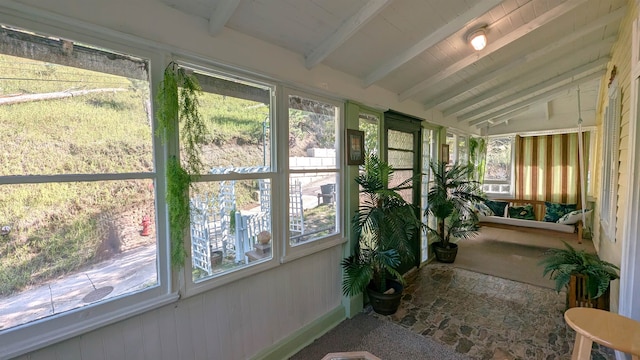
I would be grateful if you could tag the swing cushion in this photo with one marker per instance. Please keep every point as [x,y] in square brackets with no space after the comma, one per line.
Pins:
[521,212]
[554,211]
[573,217]
[497,207]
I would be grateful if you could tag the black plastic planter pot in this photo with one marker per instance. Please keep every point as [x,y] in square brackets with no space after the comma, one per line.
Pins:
[385,304]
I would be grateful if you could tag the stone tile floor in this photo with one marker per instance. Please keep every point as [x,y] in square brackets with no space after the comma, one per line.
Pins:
[486,317]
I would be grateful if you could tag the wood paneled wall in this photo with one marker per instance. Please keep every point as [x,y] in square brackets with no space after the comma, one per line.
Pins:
[611,249]
[235,321]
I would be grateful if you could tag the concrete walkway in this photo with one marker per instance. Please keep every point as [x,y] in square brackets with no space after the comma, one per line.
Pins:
[126,272]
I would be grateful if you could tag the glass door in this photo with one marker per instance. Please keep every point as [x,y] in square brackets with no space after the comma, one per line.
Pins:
[403,150]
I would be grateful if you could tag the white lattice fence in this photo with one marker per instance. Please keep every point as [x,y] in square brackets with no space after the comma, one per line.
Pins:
[247,229]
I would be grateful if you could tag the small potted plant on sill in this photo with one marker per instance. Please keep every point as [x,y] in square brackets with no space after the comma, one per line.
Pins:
[584,275]
[451,199]
[384,225]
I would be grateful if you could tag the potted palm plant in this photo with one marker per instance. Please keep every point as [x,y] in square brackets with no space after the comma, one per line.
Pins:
[584,275]
[451,200]
[384,225]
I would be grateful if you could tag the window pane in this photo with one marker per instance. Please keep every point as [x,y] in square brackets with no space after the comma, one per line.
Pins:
[463,153]
[498,159]
[238,119]
[400,140]
[400,159]
[407,195]
[230,225]
[399,176]
[313,148]
[312,206]
[451,141]
[369,124]
[67,120]
[68,245]
[312,133]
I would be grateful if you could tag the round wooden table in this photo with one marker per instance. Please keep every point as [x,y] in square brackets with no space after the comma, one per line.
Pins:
[606,328]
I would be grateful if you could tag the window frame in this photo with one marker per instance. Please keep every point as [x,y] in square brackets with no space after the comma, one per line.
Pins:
[511,182]
[188,287]
[290,252]
[610,149]
[53,329]
[455,150]
[430,141]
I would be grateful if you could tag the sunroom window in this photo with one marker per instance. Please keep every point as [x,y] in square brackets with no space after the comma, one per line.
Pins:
[458,152]
[498,177]
[78,187]
[231,200]
[313,168]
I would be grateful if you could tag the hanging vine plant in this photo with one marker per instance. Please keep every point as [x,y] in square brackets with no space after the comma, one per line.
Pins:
[177,110]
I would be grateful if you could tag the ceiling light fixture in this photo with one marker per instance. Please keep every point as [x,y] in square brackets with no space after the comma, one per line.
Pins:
[478,39]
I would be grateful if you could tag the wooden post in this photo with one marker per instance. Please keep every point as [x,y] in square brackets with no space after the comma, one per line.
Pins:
[580,229]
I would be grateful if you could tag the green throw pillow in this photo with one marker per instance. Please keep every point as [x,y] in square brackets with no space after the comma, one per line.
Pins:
[521,212]
[497,207]
[554,211]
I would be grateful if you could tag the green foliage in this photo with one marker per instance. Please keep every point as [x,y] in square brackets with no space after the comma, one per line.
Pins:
[47,253]
[478,157]
[560,264]
[178,108]
[498,158]
[232,120]
[178,102]
[178,182]
[370,136]
[384,226]
[452,196]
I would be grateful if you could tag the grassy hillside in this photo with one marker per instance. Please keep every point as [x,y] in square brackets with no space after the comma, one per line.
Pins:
[59,227]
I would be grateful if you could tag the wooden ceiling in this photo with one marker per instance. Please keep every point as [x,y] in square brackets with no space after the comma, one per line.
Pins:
[540,53]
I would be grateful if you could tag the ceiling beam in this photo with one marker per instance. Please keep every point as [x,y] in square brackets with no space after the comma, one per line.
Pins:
[579,72]
[508,86]
[559,44]
[496,122]
[435,37]
[481,123]
[492,47]
[222,12]
[547,110]
[546,96]
[345,31]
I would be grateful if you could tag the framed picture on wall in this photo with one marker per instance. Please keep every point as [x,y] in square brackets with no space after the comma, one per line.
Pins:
[445,153]
[355,147]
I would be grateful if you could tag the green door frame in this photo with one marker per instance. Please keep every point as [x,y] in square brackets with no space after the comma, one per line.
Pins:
[353,305]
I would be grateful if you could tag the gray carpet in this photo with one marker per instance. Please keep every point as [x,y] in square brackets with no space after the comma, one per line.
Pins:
[511,254]
[384,339]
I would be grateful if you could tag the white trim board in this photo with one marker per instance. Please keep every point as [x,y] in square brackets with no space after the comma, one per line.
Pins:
[630,262]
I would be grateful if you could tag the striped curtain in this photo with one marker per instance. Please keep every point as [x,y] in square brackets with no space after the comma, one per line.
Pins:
[547,168]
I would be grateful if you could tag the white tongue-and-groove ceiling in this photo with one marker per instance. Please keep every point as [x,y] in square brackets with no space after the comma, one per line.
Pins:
[540,53]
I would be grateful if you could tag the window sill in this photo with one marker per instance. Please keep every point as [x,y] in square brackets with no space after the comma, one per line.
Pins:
[225,278]
[301,251]
[44,332]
